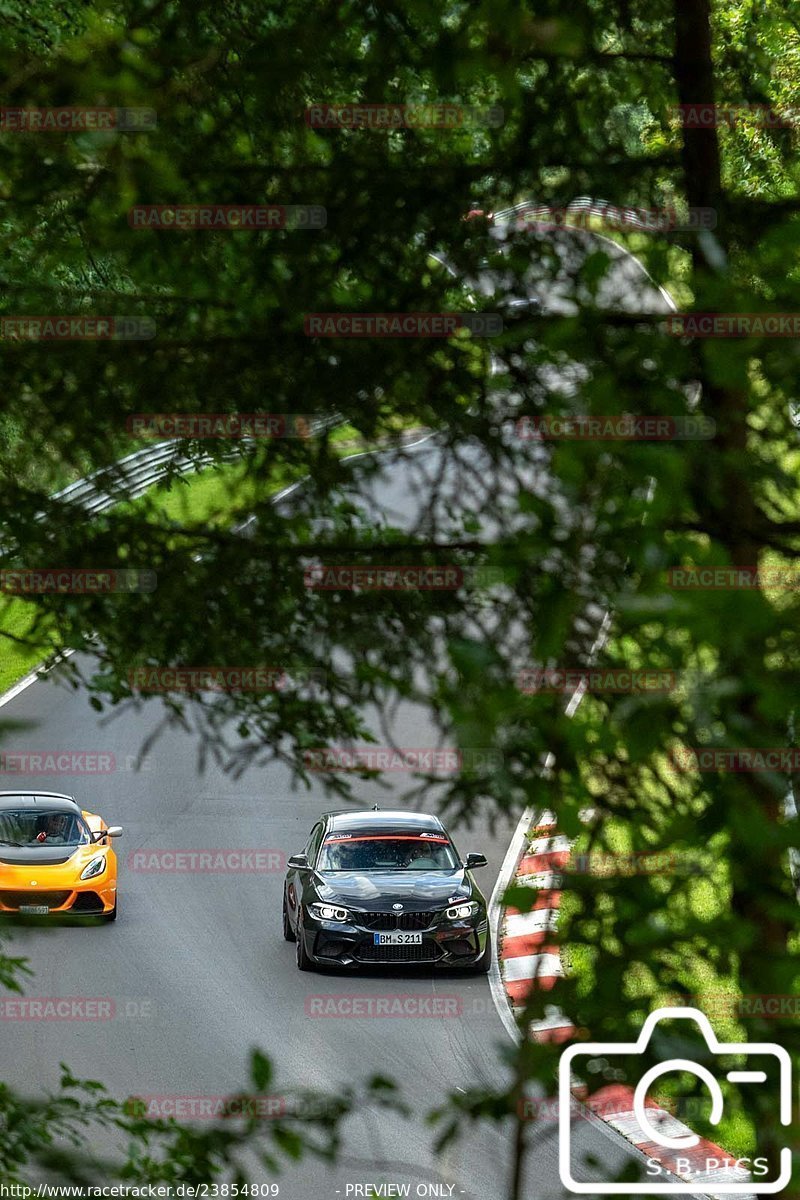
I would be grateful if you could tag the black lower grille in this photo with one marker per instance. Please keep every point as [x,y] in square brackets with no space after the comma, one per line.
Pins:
[331,950]
[461,948]
[20,899]
[426,951]
[87,902]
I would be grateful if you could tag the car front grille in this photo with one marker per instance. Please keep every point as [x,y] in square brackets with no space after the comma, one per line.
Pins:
[16,899]
[387,921]
[426,951]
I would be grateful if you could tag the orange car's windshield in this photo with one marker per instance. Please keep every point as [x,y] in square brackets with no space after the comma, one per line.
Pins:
[36,827]
[386,853]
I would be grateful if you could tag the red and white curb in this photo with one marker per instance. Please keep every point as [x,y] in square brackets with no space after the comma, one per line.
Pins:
[530,961]
[702,1165]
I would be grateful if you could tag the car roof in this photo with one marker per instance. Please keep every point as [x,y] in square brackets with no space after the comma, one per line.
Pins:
[54,801]
[392,819]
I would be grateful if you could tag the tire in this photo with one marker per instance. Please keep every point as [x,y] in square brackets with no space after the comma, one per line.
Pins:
[481,967]
[111,916]
[304,963]
[288,932]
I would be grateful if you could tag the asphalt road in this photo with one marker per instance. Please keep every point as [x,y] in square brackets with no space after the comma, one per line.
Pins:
[198,972]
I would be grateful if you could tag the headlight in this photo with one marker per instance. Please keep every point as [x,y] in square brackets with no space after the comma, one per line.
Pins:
[460,912]
[329,912]
[95,867]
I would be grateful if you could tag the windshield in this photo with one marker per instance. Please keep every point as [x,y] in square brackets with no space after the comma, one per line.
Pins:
[40,827]
[386,852]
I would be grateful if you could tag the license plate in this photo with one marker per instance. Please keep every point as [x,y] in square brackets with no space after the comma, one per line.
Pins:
[34,910]
[397,939]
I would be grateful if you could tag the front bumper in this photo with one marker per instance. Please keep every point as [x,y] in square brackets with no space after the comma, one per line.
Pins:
[89,897]
[443,943]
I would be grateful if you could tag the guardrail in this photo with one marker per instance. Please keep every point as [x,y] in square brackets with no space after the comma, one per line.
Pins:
[629,218]
[133,475]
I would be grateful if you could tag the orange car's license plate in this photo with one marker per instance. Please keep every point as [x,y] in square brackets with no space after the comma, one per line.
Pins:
[34,910]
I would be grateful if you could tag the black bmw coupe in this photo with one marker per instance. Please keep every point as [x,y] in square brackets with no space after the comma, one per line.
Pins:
[384,887]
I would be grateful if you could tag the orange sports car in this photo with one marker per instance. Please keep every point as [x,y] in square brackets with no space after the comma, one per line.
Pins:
[55,858]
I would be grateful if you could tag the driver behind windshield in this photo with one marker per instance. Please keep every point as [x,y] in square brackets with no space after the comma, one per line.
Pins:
[53,828]
[382,854]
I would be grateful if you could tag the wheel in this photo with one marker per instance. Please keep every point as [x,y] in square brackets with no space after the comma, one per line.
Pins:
[288,932]
[481,967]
[304,963]
[112,916]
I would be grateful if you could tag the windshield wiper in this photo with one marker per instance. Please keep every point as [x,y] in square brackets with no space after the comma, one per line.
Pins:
[5,842]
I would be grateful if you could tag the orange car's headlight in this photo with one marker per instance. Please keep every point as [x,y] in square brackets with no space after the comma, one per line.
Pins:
[95,867]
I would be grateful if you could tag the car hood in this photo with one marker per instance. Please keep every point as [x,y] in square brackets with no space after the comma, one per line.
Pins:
[378,891]
[44,855]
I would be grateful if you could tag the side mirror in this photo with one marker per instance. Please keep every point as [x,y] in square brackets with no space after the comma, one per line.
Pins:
[100,835]
[298,861]
[475,860]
